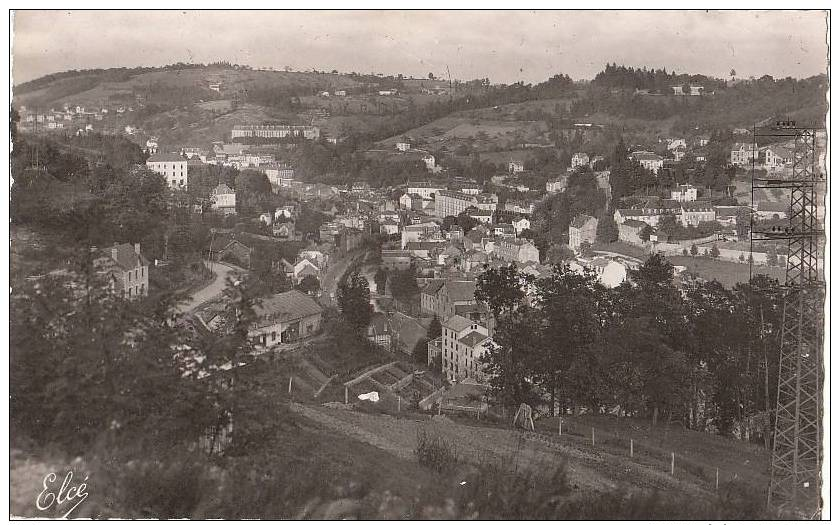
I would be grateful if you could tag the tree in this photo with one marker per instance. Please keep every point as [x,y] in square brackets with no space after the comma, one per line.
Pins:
[420,352]
[353,298]
[586,249]
[607,230]
[431,76]
[466,222]
[685,252]
[501,288]
[693,250]
[646,232]
[715,252]
[309,284]
[741,257]
[559,253]
[380,278]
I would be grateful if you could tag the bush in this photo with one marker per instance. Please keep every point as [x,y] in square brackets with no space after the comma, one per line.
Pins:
[435,452]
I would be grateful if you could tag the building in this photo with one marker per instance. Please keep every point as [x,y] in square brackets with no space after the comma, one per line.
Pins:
[389,227]
[426,190]
[516,166]
[519,207]
[487,201]
[482,216]
[582,230]
[609,272]
[557,185]
[172,166]
[521,224]
[379,330]
[223,199]
[516,250]
[629,230]
[396,260]
[403,146]
[580,160]
[777,156]
[451,203]
[420,232]
[305,268]
[650,161]
[693,213]
[647,215]
[126,270]
[429,160]
[684,193]
[275,132]
[696,91]
[743,154]
[285,318]
[463,343]
[280,175]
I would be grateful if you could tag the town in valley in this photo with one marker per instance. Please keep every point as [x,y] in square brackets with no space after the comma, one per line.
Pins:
[243,291]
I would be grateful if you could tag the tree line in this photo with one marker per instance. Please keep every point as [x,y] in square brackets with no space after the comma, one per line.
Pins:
[702,354]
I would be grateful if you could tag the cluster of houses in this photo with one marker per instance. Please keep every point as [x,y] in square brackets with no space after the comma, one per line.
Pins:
[75,118]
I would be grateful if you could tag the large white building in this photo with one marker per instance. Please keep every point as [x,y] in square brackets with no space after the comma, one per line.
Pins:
[453,203]
[172,166]
[684,193]
[275,132]
[427,190]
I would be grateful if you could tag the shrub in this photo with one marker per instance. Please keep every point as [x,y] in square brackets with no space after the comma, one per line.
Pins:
[435,452]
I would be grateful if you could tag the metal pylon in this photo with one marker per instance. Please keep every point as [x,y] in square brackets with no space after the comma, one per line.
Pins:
[796,465]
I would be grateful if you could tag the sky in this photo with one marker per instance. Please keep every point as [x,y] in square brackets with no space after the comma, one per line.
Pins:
[504,46]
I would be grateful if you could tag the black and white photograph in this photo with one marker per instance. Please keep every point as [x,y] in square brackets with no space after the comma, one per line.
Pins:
[419,264]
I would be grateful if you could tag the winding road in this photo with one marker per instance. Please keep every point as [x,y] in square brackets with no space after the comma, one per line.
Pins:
[216,287]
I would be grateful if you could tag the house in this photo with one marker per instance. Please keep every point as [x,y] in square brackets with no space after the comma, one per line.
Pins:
[172,166]
[676,143]
[482,216]
[223,199]
[228,249]
[305,268]
[766,210]
[519,207]
[504,230]
[701,140]
[696,91]
[684,193]
[289,211]
[396,260]
[379,330]
[389,227]
[516,166]
[316,257]
[521,224]
[516,250]
[467,188]
[629,230]
[420,232]
[580,160]
[403,146]
[429,160]
[647,215]
[265,218]
[126,270]
[609,272]
[463,342]
[284,230]
[777,156]
[693,213]
[557,185]
[487,201]
[743,154]
[648,160]
[582,230]
[285,318]
[340,93]
[474,260]
[279,175]
[428,296]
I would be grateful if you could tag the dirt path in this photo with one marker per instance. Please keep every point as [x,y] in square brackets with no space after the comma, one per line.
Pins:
[481,445]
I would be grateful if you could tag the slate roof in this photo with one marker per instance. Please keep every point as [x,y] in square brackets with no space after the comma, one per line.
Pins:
[127,258]
[581,220]
[287,306]
[457,323]
[461,290]
[166,157]
[473,338]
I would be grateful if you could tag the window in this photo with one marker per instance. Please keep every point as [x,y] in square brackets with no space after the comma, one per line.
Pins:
[142,271]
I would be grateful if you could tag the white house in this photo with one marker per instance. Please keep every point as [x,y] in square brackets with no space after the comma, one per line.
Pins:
[223,199]
[521,224]
[404,146]
[172,166]
[650,161]
[285,318]
[684,193]
[516,166]
[580,160]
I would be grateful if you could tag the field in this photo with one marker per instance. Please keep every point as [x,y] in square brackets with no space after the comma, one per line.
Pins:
[727,273]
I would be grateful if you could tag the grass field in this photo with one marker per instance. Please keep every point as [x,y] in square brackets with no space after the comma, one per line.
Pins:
[727,273]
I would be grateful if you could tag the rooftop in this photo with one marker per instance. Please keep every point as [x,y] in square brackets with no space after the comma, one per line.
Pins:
[287,306]
[166,157]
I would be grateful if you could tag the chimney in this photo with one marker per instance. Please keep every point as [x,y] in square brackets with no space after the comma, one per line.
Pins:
[137,248]
[114,252]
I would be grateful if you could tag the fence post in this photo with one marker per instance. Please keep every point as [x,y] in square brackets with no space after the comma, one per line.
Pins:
[399,403]
[672,463]
[560,428]
[717,477]
[593,436]
[346,396]
[631,448]
[439,405]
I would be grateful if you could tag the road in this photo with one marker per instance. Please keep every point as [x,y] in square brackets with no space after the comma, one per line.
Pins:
[215,288]
[329,285]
